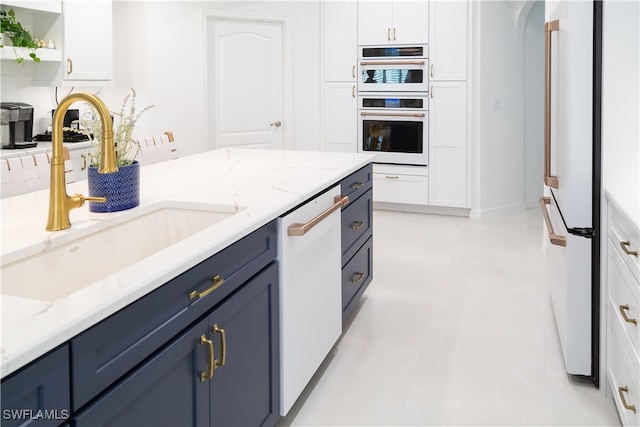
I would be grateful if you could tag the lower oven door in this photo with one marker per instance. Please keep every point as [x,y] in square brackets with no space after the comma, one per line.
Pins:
[395,137]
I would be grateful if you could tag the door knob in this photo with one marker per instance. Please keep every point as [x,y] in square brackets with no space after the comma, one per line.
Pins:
[277,123]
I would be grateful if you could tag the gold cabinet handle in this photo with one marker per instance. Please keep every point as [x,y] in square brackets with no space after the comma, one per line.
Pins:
[357,185]
[394,34]
[223,346]
[69,66]
[353,91]
[299,229]
[621,391]
[431,70]
[431,91]
[554,238]
[353,71]
[84,162]
[217,282]
[204,375]
[357,278]
[549,27]
[623,311]
[388,34]
[625,246]
[357,225]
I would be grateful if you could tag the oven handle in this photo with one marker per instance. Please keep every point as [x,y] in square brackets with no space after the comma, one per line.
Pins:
[363,114]
[554,238]
[392,63]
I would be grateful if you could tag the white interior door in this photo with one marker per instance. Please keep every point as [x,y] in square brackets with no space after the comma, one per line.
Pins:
[245,83]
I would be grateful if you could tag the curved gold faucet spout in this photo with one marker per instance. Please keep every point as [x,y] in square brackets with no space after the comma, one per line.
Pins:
[60,204]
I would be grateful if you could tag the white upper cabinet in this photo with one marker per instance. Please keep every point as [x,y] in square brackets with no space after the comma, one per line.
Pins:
[87,45]
[393,22]
[340,41]
[448,40]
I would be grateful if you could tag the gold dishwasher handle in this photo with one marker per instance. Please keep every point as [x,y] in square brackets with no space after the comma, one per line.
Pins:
[217,282]
[299,229]
[554,238]
[204,375]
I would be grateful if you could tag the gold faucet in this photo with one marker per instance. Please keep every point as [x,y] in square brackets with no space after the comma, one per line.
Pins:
[60,204]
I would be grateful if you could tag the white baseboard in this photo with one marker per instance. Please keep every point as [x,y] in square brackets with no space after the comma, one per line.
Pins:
[498,210]
[401,207]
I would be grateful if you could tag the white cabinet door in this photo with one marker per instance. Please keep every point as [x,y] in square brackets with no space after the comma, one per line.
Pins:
[448,40]
[410,22]
[393,22]
[80,162]
[448,144]
[88,40]
[340,117]
[374,22]
[340,41]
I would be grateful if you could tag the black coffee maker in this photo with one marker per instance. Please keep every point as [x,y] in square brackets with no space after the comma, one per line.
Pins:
[17,125]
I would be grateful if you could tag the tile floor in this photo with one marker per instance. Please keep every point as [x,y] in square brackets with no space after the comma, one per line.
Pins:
[456,329]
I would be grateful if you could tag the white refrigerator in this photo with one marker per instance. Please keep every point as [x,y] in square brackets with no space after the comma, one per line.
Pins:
[571,202]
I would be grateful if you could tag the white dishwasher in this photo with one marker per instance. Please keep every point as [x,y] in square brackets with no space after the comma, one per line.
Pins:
[309,255]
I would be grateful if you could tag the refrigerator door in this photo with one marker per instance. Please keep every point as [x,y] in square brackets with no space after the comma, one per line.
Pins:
[568,271]
[568,112]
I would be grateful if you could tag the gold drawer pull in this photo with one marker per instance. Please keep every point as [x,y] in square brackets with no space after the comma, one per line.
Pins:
[217,281]
[357,225]
[204,375]
[357,278]
[223,346]
[391,177]
[625,246]
[357,185]
[623,311]
[621,391]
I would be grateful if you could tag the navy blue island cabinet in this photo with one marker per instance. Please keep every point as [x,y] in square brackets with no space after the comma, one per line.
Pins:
[200,350]
[357,238]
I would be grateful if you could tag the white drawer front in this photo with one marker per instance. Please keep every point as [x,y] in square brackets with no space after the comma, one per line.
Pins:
[624,380]
[627,240]
[397,188]
[624,298]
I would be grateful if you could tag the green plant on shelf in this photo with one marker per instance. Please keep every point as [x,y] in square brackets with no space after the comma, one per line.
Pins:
[18,35]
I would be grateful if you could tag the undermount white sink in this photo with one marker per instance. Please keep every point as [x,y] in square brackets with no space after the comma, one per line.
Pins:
[96,254]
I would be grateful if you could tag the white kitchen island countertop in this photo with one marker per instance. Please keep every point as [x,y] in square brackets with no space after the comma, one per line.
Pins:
[261,184]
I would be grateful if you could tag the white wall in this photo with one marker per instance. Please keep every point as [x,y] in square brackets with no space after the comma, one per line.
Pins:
[621,98]
[169,64]
[507,106]
[159,49]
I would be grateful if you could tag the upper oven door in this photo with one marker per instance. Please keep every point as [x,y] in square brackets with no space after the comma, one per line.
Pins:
[393,69]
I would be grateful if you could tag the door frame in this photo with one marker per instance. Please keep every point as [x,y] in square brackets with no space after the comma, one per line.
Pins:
[208,18]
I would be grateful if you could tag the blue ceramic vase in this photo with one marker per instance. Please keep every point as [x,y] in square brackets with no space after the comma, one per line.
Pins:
[122,188]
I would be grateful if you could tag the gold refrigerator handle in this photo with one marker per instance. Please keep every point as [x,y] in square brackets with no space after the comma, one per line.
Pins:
[299,229]
[554,238]
[549,27]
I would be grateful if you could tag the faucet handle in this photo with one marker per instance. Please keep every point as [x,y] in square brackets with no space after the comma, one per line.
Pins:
[95,199]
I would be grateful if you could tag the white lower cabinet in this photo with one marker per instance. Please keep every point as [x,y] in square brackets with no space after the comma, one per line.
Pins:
[80,162]
[623,315]
[401,184]
[448,144]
